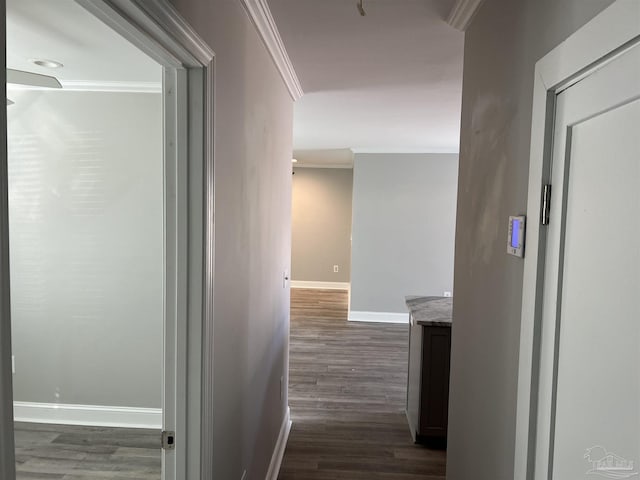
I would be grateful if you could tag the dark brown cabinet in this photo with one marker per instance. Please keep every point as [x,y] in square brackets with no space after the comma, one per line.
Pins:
[428,382]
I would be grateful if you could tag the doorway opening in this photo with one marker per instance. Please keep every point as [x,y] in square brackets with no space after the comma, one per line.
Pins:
[122,214]
[86,242]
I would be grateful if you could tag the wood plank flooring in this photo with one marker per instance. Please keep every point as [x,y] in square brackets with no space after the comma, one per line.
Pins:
[347,394]
[65,452]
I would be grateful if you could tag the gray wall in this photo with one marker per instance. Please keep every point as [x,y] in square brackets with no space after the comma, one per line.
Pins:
[502,45]
[86,243]
[321,224]
[403,228]
[253,148]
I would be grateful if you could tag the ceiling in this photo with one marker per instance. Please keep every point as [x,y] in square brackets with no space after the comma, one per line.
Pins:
[387,82]
[91,52]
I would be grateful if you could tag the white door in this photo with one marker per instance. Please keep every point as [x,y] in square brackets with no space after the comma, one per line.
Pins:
[589,391]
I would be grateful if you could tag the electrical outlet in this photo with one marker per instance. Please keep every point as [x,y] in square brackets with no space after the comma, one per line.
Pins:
[336,268]
[447,294]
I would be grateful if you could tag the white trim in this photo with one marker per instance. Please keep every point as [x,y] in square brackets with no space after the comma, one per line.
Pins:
[261,17]
[128,87]
[586,49]
[378,317]
[462,13]
[92,415]
[590,44]
[158,29]
[322,165]
[281,445]
[186,40]
[90,86]
[320,285]
[406,150]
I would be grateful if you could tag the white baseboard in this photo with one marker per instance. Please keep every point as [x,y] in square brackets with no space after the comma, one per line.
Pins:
[321,285]
[91,415]
[278,451]
[378,317]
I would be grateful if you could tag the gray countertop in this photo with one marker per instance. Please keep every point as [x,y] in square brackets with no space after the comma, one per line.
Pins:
[430,311]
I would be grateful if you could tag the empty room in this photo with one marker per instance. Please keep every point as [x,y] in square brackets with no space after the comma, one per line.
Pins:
[85,176]
[320,240]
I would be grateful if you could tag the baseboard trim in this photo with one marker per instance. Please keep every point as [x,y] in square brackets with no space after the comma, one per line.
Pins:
[378,317]
[281,445]
[90,415]
[321,285]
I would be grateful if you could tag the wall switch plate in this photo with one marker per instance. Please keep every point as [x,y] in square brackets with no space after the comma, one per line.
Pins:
[336,268]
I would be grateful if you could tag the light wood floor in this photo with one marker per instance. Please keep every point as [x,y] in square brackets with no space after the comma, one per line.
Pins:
[64,452]
[347,393]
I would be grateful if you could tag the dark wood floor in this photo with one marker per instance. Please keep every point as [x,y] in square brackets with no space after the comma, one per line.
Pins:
[347,394]
[63,452]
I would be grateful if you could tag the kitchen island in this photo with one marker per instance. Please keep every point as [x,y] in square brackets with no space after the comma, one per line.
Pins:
[428,375]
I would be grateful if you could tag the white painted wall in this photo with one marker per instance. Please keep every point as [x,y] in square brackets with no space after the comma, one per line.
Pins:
[403,228]
[253,148]
[86,245]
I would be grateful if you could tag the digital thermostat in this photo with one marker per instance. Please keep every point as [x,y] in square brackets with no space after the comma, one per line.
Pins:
[515,240]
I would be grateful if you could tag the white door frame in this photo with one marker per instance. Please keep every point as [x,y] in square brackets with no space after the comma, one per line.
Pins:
[157,28]
[592,46]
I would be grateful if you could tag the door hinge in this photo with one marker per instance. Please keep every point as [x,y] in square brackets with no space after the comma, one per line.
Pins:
[168,440]
[545,206]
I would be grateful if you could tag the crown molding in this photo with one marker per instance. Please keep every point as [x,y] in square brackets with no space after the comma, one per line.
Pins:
[262,19]
[134,87]
[322,165]
[383,150]
[462,13]
[97,86]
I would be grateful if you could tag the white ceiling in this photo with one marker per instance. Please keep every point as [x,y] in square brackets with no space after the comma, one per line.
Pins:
[62,30]
[389,81]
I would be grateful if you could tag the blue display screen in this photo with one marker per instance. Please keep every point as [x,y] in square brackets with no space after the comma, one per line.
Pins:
[515,233]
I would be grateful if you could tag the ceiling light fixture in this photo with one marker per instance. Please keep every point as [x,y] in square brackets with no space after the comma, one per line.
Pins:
[43,62]
[361,8]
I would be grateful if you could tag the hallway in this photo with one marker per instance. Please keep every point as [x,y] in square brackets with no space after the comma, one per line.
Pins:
[347,394]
